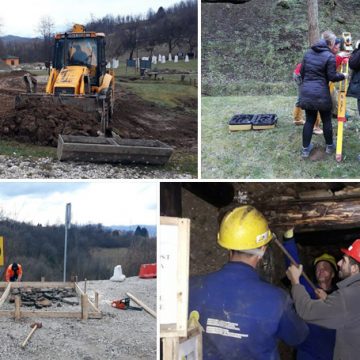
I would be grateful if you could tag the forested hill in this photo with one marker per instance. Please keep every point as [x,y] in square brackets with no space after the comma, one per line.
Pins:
[253,47]
[91,249]
[173,29]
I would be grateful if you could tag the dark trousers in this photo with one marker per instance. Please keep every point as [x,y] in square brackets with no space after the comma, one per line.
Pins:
[14,278]
[309,126]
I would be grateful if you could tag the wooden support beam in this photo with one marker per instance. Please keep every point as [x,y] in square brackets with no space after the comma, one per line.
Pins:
[139,302]
[80,293]
[96,299]
[5,294]
[37,284]
[49,314]
[314,215]
[17,313]
[84,307]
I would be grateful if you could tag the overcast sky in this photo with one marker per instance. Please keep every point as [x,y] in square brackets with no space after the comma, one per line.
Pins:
[21,17]
[108,203]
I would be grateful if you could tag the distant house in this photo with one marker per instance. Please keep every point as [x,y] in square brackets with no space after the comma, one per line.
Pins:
[11,60]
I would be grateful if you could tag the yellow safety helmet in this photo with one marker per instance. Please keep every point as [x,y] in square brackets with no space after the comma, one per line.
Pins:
[244,228]
[326,257]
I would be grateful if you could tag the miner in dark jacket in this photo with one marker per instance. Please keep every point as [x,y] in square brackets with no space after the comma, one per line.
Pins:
[354,86]
[318,68]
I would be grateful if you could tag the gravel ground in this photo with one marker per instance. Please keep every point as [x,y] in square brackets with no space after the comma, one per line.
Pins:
[47,168]
[118,335]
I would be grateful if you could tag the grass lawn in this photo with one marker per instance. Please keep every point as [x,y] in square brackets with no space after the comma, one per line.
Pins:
[180,66]
[274,153]
[164,93]
[14,148]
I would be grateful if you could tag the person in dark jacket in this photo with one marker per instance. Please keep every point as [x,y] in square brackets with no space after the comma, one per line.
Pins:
[320,343]
[354,86]
[339,310]
[317,70]
[242,315]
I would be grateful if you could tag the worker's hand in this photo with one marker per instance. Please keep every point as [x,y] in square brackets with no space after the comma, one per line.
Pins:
[346,76]
[289,233]
[321,294]
[293,273]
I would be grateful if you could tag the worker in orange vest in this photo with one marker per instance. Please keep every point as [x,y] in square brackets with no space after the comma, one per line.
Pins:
[13,273]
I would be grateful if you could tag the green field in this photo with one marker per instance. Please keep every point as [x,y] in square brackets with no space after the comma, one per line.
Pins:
[274,153]
[15,148]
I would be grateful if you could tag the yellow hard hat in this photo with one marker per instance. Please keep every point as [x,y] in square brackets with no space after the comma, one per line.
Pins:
[244,228]
[326,257]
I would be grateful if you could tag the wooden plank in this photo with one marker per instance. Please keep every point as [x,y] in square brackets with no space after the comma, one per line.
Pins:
[170,348]
[96,299]
[79,293]
[5,294]
[50,314]
[183,275]
[145,307]
[177,255]
[37,284]
[84,307]
[17,307]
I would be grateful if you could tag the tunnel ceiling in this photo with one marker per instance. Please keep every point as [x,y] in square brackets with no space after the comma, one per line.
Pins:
[226,193]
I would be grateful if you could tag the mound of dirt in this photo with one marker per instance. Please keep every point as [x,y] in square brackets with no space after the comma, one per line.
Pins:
[40,123]
[135,118]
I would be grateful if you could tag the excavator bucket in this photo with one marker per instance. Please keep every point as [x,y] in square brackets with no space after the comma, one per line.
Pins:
[112,150]
[85,103]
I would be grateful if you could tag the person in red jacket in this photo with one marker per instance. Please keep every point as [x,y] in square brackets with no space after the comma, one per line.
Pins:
[13,273]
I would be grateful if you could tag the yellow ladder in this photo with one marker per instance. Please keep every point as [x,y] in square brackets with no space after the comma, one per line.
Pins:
[341,112]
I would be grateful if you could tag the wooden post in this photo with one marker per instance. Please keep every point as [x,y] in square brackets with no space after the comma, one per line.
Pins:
[85,286]
[170,348]
[96,299]
[5,293]
[84,307]
[17,307]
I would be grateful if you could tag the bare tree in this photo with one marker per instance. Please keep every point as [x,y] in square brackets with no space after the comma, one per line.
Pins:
[313,20]
[2,47]
[46,29]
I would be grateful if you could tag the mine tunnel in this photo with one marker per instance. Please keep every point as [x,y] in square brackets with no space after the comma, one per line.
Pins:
[326,217]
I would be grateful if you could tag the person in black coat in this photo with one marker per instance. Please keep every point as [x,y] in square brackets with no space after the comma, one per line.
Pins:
[354,86]
[318,68]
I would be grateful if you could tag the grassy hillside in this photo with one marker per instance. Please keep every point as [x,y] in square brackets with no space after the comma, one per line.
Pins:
[252,48]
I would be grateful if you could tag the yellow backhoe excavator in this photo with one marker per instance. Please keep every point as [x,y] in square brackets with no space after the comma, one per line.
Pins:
[78,76]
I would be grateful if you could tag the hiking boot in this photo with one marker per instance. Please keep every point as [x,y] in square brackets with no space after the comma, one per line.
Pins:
[330,149]
[298,116]
[317,131]
[305,152]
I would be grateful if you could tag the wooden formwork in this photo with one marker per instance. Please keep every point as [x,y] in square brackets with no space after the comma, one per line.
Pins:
[89,310]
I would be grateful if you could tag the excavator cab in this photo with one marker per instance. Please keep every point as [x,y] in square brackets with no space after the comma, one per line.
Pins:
[89,52]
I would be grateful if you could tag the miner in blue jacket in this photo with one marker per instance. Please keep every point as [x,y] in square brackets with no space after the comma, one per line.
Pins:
[320,343]
[243,316]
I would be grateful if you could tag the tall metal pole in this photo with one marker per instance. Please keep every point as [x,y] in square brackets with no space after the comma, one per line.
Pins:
[67,226]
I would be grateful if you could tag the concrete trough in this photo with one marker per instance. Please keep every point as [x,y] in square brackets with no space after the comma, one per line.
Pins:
[112,150]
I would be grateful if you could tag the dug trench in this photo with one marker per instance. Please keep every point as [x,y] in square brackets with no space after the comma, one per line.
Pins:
[40,122]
